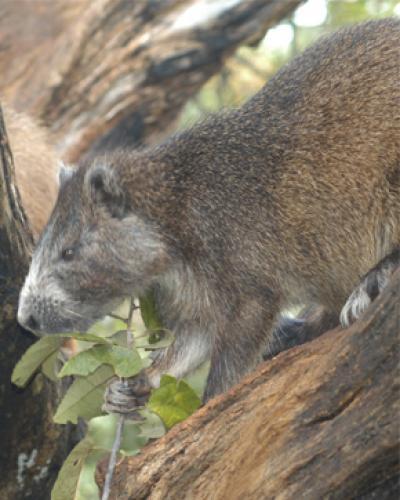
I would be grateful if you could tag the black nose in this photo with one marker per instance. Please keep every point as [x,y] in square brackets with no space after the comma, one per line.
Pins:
[32,323]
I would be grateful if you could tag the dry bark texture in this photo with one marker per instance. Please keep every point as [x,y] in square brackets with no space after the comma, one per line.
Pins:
[36,168]
[32,447]
[318,421]
[110,69]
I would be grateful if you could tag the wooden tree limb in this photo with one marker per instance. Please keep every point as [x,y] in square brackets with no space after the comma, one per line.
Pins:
[32,447]
[17,239]
[318,421]
[126,68]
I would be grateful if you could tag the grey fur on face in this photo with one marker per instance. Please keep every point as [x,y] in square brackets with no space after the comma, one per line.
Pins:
[65,288]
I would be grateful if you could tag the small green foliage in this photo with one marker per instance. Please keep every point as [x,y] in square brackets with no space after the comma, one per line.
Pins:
[101,431]
[156,340]
[84,337]
[152,426]
[132,438]
[33,358]
[85,397]
[106,327]
[41,351]
[67,484]
[149,312]
[125,361]
[173,401]
[50,366]
[81,364]
[104,353]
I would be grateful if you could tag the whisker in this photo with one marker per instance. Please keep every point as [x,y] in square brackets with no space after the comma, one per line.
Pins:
[73,313]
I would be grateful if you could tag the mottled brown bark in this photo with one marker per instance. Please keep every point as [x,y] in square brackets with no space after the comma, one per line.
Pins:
[107,69]
[318,421]
[32,447]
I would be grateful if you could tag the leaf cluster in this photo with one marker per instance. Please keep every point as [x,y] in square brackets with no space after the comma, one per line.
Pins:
[103,353]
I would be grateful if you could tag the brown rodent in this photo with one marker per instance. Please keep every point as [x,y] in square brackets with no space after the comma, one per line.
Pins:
[287,200]
[36,167]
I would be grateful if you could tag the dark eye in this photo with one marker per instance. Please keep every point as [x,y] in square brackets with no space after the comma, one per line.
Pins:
[68,254]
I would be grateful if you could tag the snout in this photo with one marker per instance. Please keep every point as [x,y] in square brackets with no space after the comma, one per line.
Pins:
[47,309]
[32,316]
[42,314]
[27,319]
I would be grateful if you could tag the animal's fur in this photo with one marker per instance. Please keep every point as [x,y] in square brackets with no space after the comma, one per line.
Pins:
[306,326]
[287,200]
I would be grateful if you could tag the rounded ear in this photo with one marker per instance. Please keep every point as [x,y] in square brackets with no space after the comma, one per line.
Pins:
[104,189]
[65,172]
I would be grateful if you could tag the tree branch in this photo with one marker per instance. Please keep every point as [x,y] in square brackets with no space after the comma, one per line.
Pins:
[126,68]
[17,239]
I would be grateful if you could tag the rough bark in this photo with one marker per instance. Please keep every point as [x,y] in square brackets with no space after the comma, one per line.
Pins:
[32,447]
[318,421]
[112,69]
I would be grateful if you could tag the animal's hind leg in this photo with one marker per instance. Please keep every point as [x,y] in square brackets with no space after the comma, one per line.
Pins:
[239,346]
[370,286]
[290,332]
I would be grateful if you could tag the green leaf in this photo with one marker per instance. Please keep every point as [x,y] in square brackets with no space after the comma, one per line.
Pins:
[84,337]
[84,398]
[67,483]
[102,432]
[120,338]
[157,340]
[132,439]
[36,355]
[107,327]
[152,427]
[87,487]
[83,363]
[149,312]
[125,360]
[173,401]
[49,367]
[42,350]
[197,379]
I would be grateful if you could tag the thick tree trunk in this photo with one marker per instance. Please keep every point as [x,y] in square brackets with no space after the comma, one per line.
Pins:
[32,447]
[115,70]
[318,421]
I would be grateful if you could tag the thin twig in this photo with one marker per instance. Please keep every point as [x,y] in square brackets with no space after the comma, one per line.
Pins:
[113,458]
[133,307]
[121,420]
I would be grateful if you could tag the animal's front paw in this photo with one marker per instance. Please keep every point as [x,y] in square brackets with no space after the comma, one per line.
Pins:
[126,396]
[369,288]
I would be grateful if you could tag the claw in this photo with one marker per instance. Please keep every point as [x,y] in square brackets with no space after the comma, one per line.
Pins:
[369,288]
